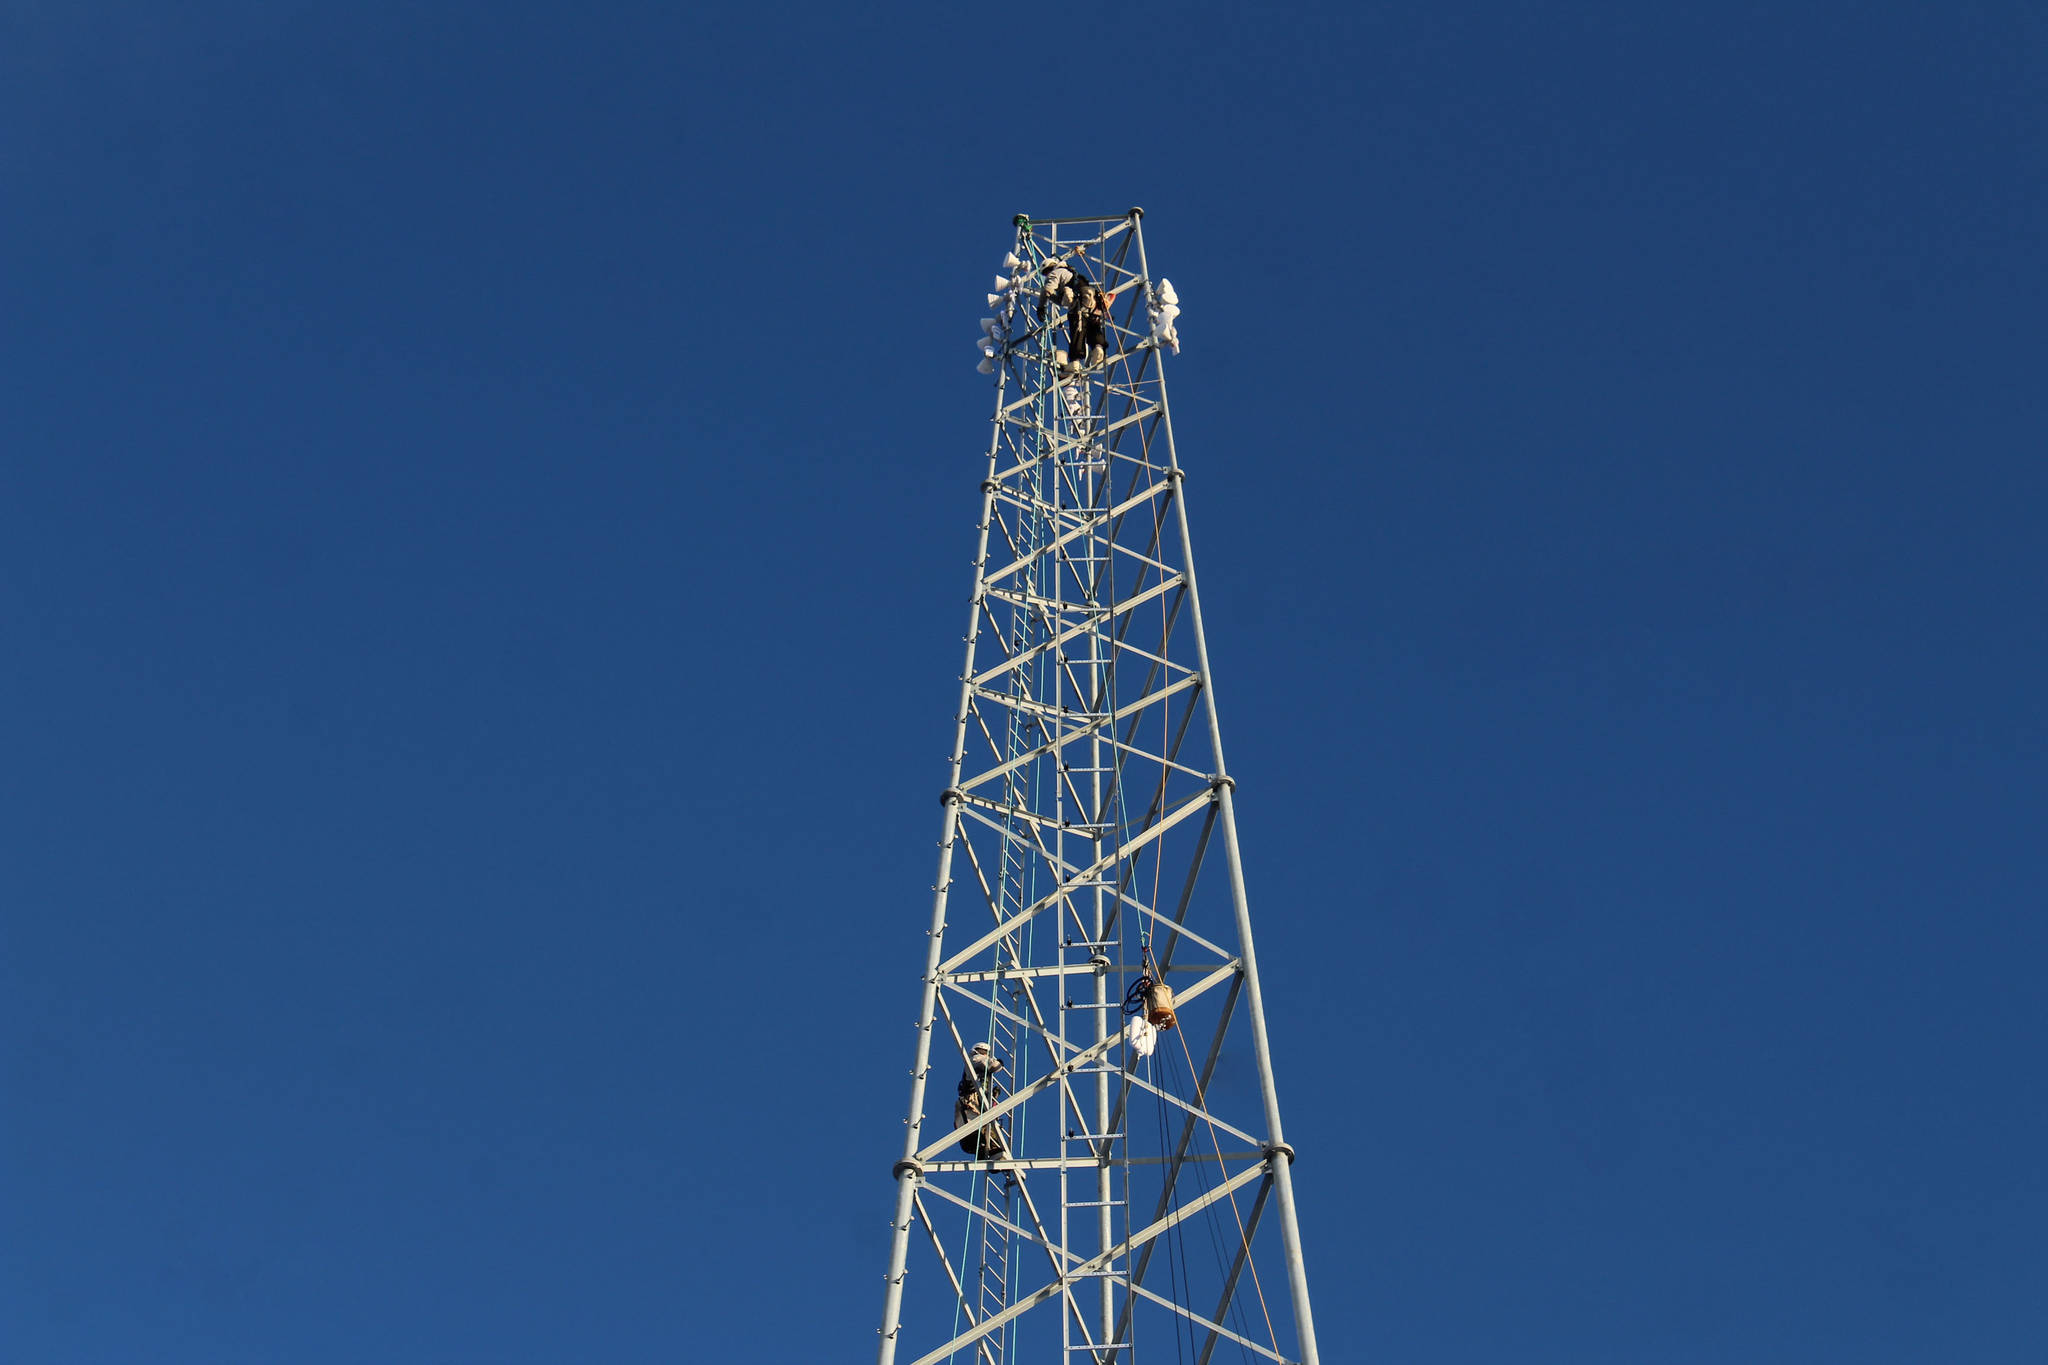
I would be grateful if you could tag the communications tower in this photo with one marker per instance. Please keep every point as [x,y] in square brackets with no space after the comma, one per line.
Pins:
[1113,1186]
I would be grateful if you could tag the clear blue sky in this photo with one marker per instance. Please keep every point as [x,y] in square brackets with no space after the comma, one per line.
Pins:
[485,502]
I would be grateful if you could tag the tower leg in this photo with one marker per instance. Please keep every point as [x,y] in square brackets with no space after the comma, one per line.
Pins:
[1282,1156]
[906,1170]
[899,1256]
[949,831]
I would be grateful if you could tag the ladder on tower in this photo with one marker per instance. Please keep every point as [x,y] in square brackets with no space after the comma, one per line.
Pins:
[998,1201]
[1090,565]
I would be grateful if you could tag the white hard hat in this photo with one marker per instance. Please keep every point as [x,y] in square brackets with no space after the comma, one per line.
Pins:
[979,1047]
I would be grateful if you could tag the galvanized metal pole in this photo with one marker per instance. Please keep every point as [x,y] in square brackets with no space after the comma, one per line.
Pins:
[1100,662]
[949,829]
[1279,1155]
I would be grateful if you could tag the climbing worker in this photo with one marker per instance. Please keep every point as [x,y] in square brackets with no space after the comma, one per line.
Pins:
[1055,293]
[978,1091]
[1088,323]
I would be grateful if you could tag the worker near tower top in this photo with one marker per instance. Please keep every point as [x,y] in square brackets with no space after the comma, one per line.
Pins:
[1088,323]
[1087,304]
[1057,291]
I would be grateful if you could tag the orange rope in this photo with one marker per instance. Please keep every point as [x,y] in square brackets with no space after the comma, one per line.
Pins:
[1244,1238]
[1159,801]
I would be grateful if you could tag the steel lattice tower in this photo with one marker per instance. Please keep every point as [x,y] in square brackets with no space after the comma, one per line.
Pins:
[1097,1206]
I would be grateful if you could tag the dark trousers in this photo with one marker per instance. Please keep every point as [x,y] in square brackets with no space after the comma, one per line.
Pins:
[1085,329]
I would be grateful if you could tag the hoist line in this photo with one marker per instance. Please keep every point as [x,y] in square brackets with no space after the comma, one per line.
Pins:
[1210,1220]
[1244,1238]
[1159,799]
[1028,891]
[1182,1289]
[1167,747]
[1014,870]
[1107,700]
[1095,469]
[1027,877]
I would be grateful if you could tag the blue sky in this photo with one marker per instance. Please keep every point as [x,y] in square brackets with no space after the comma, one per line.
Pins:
[488,495]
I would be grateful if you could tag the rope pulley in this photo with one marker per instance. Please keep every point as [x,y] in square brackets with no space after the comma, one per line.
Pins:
[1151,998]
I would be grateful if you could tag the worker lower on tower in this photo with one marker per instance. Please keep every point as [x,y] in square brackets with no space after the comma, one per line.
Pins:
[978,1091]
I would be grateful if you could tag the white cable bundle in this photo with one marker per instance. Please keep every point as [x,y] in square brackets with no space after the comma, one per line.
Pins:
[1140,1037]
[1163,306]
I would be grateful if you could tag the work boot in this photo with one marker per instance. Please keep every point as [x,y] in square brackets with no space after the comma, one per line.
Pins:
[1059,360]
[1094,355]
